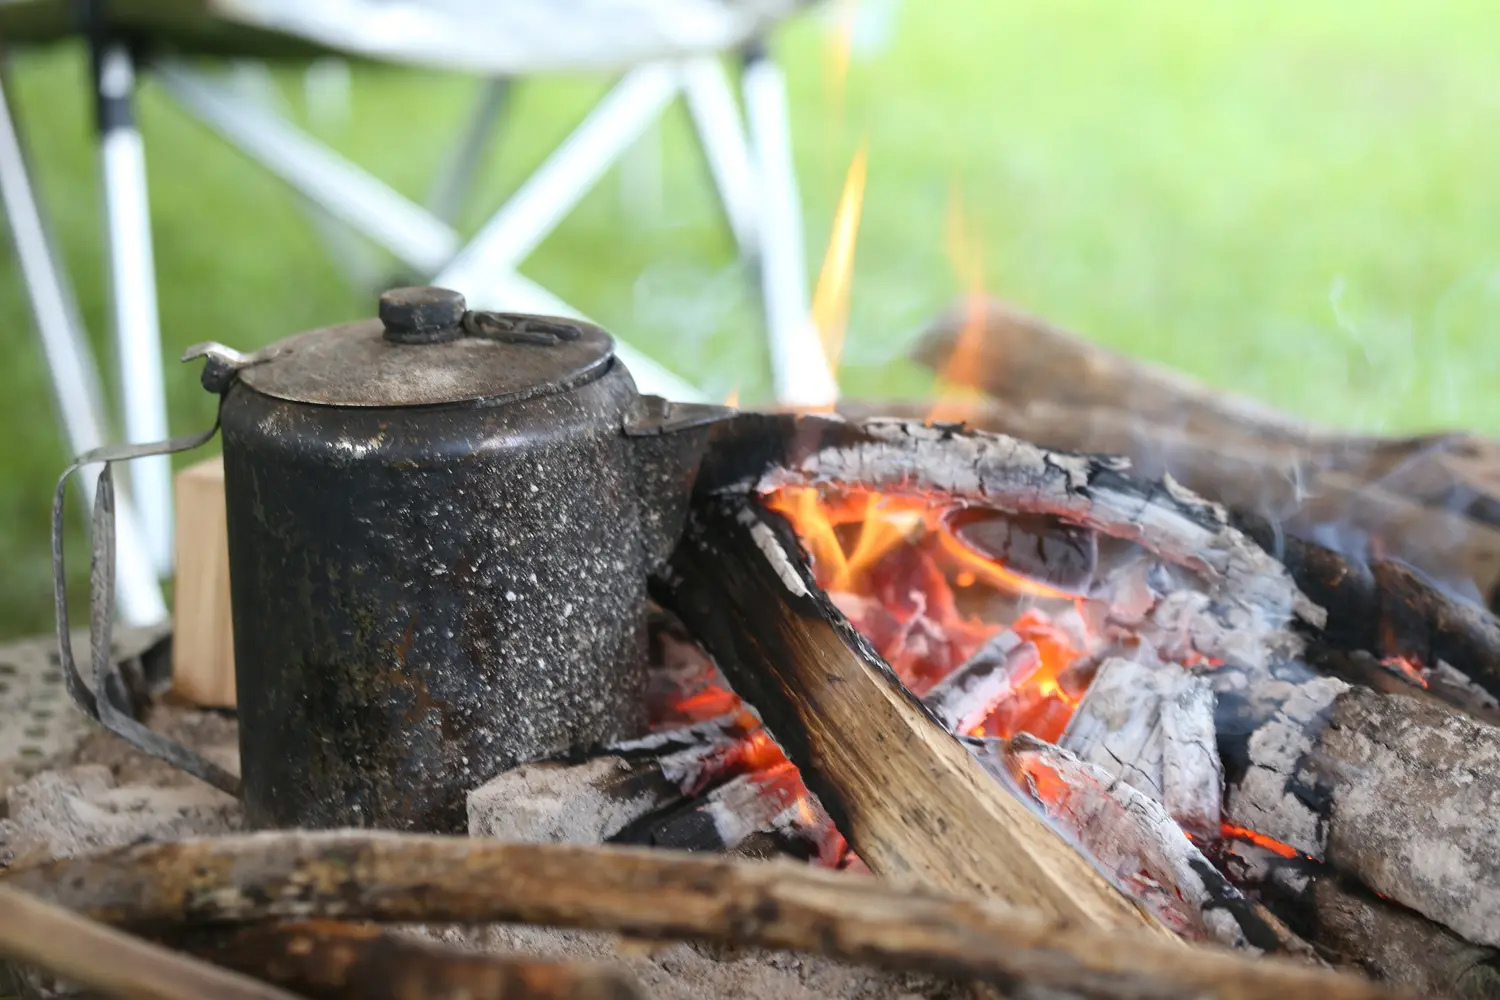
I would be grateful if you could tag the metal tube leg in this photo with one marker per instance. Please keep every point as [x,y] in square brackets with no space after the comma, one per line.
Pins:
[721,133]
[557,185]
[70,365]
[799,368]
[132,270]
[457,177]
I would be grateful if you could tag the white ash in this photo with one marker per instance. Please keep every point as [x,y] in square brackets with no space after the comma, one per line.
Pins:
[546,802]
[62,814]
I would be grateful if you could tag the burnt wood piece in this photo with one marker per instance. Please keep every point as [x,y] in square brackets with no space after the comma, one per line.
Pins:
[333,960]
[1386,608]
[85,953]
[1393,792]
[593,799]
[1251,598]
[1153,727]
[404,878]
[1396,946]
[908,797]
[1130,836]
[724,818]
[966,697]
[1276,483]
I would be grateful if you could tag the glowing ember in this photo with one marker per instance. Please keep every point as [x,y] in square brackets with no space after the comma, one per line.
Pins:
[1407,667]
[1231,832]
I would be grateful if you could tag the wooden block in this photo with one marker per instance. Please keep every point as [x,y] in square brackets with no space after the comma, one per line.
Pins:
[203,631]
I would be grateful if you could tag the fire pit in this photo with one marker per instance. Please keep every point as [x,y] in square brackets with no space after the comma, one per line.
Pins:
[1069,714]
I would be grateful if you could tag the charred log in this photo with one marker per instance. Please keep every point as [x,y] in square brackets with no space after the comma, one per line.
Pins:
[1393,792]
[331,960]
[909,798]
[400,878]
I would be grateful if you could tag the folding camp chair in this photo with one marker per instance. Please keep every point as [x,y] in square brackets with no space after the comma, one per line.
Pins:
[662,49]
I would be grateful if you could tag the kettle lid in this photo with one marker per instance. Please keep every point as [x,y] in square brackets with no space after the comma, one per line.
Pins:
[428,349]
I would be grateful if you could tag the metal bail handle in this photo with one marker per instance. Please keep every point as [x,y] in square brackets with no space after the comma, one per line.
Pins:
[108,703]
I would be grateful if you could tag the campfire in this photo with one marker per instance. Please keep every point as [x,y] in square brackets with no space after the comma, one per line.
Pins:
[1007,707]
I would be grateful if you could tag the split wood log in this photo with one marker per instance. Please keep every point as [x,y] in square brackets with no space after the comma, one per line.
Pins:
[404,878]
[909,798]
[726,817]
[966,697]
[76,949]
[333,960]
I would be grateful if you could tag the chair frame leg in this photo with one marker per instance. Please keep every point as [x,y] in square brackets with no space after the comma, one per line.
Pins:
[136,325]
[799,367]
[72,372]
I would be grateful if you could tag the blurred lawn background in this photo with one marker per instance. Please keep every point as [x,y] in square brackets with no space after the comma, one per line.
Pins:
[1295,200]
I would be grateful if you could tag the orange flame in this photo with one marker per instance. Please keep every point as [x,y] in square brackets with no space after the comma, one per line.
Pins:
[830,307]
[955,394]
[891,563]
[1407,667]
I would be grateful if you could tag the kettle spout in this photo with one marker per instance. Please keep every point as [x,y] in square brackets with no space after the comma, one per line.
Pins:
[670,440]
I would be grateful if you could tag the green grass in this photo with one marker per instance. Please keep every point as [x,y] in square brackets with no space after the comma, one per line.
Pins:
[1296,200]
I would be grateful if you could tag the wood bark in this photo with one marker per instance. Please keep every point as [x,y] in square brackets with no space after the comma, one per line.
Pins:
[1393,792]
[333,960]
[909,798]
[78,950]
[1399,947]
[404,878]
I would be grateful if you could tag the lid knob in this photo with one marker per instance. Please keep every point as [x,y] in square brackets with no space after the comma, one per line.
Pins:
[422,314]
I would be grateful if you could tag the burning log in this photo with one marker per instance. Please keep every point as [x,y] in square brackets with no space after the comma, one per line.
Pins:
[1130,836]
[398,878]
[332,960]
[1251,599]
[1153,728]
[966,697]
[85,953]
[1397,946]
[909,798]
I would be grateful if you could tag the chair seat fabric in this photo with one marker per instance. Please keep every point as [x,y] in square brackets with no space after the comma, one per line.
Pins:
[493,37]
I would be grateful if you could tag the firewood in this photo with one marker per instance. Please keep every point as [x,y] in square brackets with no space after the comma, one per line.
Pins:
[333,960]
[909,798]
[1387,609]
[966,697]
[1399,947]
[1130,836]
[724,818]
[1026,361]
[80,951]
[1394,792]
[405,878]
[1020,358]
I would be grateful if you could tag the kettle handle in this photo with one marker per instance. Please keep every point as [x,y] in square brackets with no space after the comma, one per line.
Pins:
[108,703]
